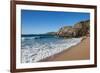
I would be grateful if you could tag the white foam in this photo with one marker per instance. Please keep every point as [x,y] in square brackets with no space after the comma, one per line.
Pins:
[39,52]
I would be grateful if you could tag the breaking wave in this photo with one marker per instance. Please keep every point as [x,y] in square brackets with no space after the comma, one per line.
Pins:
[36,48]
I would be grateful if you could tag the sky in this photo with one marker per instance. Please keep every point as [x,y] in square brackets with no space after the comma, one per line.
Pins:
[39,22]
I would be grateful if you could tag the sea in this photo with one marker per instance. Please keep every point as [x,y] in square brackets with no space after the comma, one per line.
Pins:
[35,48]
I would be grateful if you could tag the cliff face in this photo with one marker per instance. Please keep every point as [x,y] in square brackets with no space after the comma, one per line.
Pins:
[65,31]
[79,29]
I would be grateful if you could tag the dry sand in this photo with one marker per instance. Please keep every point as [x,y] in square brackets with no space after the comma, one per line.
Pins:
[80,51]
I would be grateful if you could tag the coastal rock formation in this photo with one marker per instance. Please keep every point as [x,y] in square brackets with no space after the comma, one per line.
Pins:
[79,29]
[83,28]
[66,31]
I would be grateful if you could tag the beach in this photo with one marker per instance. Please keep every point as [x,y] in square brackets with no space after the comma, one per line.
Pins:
[80,51]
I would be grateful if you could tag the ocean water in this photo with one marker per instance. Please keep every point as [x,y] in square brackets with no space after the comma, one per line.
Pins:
[38,47]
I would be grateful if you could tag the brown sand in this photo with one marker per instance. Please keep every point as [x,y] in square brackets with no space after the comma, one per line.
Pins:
[79,52]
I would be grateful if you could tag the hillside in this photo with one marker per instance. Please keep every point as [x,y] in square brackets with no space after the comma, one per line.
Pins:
[79,29]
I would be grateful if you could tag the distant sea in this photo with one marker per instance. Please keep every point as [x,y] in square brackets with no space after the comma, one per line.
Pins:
[37,47]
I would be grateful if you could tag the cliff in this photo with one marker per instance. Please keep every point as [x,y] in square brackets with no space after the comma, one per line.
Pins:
[79,29]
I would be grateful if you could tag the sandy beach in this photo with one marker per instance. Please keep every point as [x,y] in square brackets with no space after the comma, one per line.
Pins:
[80,51]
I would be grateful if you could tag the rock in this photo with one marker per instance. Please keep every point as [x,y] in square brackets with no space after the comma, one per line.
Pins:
[79,29]
[83,27]
[65,31]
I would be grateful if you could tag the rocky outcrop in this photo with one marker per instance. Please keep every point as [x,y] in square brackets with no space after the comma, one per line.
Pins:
[83,28]
[65,31]
[79,29]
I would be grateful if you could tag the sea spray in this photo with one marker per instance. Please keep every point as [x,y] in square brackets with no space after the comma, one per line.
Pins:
[34,50]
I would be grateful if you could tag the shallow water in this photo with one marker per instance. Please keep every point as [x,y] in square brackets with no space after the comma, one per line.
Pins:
[35,48]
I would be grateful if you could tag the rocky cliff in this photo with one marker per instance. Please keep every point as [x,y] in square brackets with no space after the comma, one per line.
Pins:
[79,29]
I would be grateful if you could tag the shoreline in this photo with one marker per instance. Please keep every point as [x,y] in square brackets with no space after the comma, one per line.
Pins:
[80,51]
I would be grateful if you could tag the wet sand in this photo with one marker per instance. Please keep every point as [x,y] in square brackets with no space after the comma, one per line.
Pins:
[80,51]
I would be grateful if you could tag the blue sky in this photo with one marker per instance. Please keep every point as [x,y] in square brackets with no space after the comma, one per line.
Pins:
[39,22]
